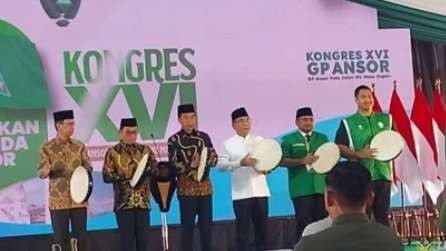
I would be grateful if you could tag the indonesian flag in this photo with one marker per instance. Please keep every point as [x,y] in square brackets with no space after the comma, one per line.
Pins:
[406,165]
[425,146]
[377,108]
[439,126]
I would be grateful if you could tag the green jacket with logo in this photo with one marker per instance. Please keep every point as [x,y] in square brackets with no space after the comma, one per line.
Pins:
[302,182]
[360,131]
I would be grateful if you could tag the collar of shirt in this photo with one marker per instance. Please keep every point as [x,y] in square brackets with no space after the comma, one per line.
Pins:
[362,115]
[59,141]
[247,137]
[127,146]
[305,134]
[184,133]
[347,218]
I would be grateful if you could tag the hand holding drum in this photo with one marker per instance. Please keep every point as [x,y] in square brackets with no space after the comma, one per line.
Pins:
[249,161]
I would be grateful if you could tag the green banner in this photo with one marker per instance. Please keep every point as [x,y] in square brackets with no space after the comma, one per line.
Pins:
[22,132]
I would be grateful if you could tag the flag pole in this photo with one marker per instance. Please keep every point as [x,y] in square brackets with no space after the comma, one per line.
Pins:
[426,228]
[425,211]
[436,214]
[403,207]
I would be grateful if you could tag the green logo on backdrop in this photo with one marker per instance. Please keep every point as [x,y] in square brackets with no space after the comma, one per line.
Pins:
[62,10]
[3,87]
[172,69]
[23,122]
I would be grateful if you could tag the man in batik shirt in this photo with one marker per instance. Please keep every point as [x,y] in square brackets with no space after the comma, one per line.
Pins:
[131,204]
[194,195]
[58,159]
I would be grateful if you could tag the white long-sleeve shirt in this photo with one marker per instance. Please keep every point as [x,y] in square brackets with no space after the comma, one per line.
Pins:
[246,182]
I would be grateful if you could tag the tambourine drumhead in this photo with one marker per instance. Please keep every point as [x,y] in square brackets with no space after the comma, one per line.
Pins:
[329,155]
[139,170]
[81,184]
[268,154]
[202,165]
[389,145]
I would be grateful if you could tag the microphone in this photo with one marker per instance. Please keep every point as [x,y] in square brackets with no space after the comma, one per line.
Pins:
[156,147]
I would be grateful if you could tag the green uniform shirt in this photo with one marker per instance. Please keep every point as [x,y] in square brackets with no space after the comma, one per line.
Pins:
[302,182]
[352,232]
[357,131]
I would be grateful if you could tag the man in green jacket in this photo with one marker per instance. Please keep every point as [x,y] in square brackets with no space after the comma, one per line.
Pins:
[347,196]
[306,187]
[353,138]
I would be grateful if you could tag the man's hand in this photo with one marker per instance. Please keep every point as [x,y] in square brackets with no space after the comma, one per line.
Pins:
[309,159]
[248,161]
[367,153]
[195,161]
[44,171]
[122,174]
[263,172]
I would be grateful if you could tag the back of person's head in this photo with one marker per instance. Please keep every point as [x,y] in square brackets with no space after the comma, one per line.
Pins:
[348,188]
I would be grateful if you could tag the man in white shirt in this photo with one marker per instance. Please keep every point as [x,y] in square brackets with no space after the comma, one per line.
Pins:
[249,187]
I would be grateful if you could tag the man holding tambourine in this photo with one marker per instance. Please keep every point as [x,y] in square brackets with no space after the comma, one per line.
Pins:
[355,138]
[127,165]
[250,190]
[192,154]
[59,158]
[306,186]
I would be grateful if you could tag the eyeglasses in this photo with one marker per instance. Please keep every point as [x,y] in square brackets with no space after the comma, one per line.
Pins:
[242,120]
[306,119]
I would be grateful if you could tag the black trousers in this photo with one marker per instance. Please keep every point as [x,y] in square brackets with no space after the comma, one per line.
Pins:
[381,201]
[133,228]
[60,221]
[190,207]
[247,210]
[308,209]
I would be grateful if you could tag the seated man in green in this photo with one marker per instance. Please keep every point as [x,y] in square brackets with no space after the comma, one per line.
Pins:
[348,193]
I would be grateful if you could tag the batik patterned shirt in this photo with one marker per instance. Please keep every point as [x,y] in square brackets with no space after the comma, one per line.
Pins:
[184,153]
[63,157]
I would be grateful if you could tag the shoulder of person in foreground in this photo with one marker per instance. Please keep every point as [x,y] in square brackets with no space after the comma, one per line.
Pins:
[318,226]
[388,236]
[325,239]
[312,242]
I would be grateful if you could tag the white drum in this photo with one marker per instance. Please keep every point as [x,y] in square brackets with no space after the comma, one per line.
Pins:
[202,166]
[329,155]
[268,154]
[81,185]
[139,170]
[389,145]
